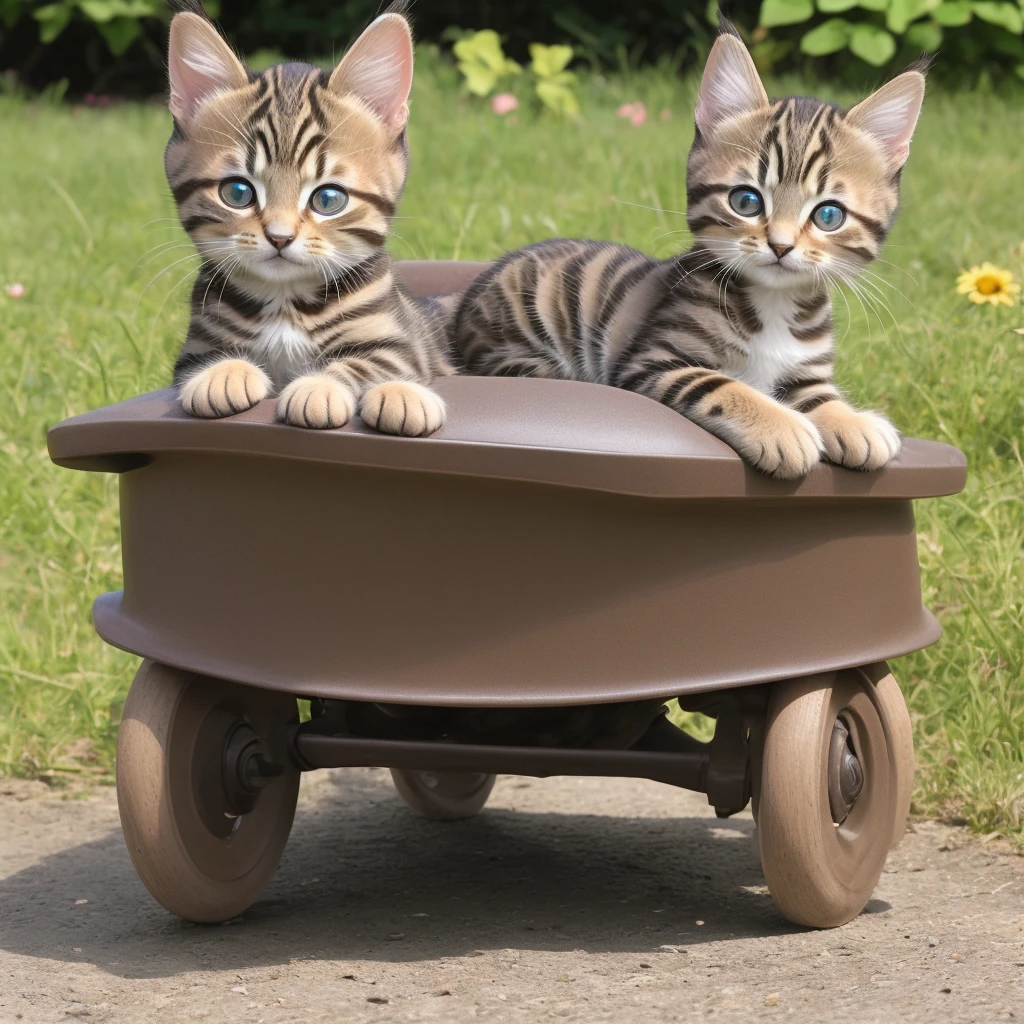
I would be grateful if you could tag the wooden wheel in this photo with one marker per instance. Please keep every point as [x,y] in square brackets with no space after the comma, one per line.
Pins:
[205,789]
[444,796]
[835,781]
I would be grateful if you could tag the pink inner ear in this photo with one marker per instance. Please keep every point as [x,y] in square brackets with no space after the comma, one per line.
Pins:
[730,86]
[200,64]
[378,69]
[890,115]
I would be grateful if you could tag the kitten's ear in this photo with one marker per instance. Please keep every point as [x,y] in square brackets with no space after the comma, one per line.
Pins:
[378,69]
[890,115]
[730,86]
[200,64]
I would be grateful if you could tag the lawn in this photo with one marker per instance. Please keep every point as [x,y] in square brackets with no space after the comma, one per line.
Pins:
[88,229]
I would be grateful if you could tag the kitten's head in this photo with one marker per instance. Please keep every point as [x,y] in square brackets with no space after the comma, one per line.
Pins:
[289,176]
[795,190]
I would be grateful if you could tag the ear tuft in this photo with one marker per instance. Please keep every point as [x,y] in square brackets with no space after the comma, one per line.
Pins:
[890,115]
[378,69]
[730,86]
[200,64]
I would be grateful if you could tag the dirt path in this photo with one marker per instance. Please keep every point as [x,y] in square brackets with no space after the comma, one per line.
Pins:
[577,899]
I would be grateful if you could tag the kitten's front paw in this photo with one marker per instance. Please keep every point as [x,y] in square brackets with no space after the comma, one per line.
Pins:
[224,389]
[318,402]
[782,444]
[856,440]
[404,408]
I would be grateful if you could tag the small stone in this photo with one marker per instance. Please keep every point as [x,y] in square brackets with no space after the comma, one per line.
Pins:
[646,966]
[441,992]
[699,923]
[945,991]
[772,999]
[378,1000]
[395,936]
[80,903]
[671,949]
[933,941]
[240,989]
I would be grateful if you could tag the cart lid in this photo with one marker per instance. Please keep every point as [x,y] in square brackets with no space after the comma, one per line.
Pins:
[563,433]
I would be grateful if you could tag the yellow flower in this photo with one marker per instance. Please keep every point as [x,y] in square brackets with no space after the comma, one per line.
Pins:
[988,283]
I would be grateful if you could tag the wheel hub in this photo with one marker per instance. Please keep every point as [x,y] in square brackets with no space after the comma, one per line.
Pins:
[845,774]
[248,768]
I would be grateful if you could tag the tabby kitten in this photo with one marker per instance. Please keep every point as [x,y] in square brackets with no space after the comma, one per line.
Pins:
[783,199]
[286,182]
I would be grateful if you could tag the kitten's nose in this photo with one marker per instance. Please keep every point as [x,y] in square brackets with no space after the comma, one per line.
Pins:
[278,235]
[780,250]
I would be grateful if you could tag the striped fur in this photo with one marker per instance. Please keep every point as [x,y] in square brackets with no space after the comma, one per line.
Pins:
[289,300]
[736,333]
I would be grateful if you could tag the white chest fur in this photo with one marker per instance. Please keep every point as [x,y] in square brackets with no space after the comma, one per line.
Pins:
[282,347]
[773,352]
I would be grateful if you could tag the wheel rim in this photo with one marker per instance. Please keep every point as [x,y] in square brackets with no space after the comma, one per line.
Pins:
[862,834]
[225,838]
[845,773]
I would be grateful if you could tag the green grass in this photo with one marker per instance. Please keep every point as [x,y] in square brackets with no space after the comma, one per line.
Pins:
[84,202]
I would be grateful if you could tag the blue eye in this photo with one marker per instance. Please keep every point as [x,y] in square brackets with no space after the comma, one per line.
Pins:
[828,217]
[237,193]
[328,200]
[747,202]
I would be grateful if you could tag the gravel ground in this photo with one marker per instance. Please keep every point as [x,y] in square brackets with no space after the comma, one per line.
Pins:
[577,899]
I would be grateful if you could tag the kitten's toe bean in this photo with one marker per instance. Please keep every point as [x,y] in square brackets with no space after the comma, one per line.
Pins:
[224,389]
[787,446]
[856,440]
[403,408]
[318,402]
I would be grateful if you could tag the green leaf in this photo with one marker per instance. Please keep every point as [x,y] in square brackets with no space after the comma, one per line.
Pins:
[903,12]
[1006,15]
[829,37]
[872,44]
[558,97]
[119,34]
[548,61]
[785,12]
[953,13]
[53,19]
[836,6]
[874,5]
[1020,70]
[925,35]
[483,62]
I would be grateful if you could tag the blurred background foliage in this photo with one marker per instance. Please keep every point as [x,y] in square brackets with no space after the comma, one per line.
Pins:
[116,46]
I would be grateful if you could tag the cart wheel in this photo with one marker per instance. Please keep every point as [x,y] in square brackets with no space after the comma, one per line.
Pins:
[443,796]
[835,784]
[205,789]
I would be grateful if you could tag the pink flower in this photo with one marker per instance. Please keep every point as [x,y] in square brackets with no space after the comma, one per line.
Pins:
[15,291]
[636,112]
[504,103]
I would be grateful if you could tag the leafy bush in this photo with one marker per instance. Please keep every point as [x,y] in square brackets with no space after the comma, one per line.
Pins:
[484,66]
[875,31]
[92,42]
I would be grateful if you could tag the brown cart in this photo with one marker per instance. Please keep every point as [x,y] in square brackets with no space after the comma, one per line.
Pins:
[519,593]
